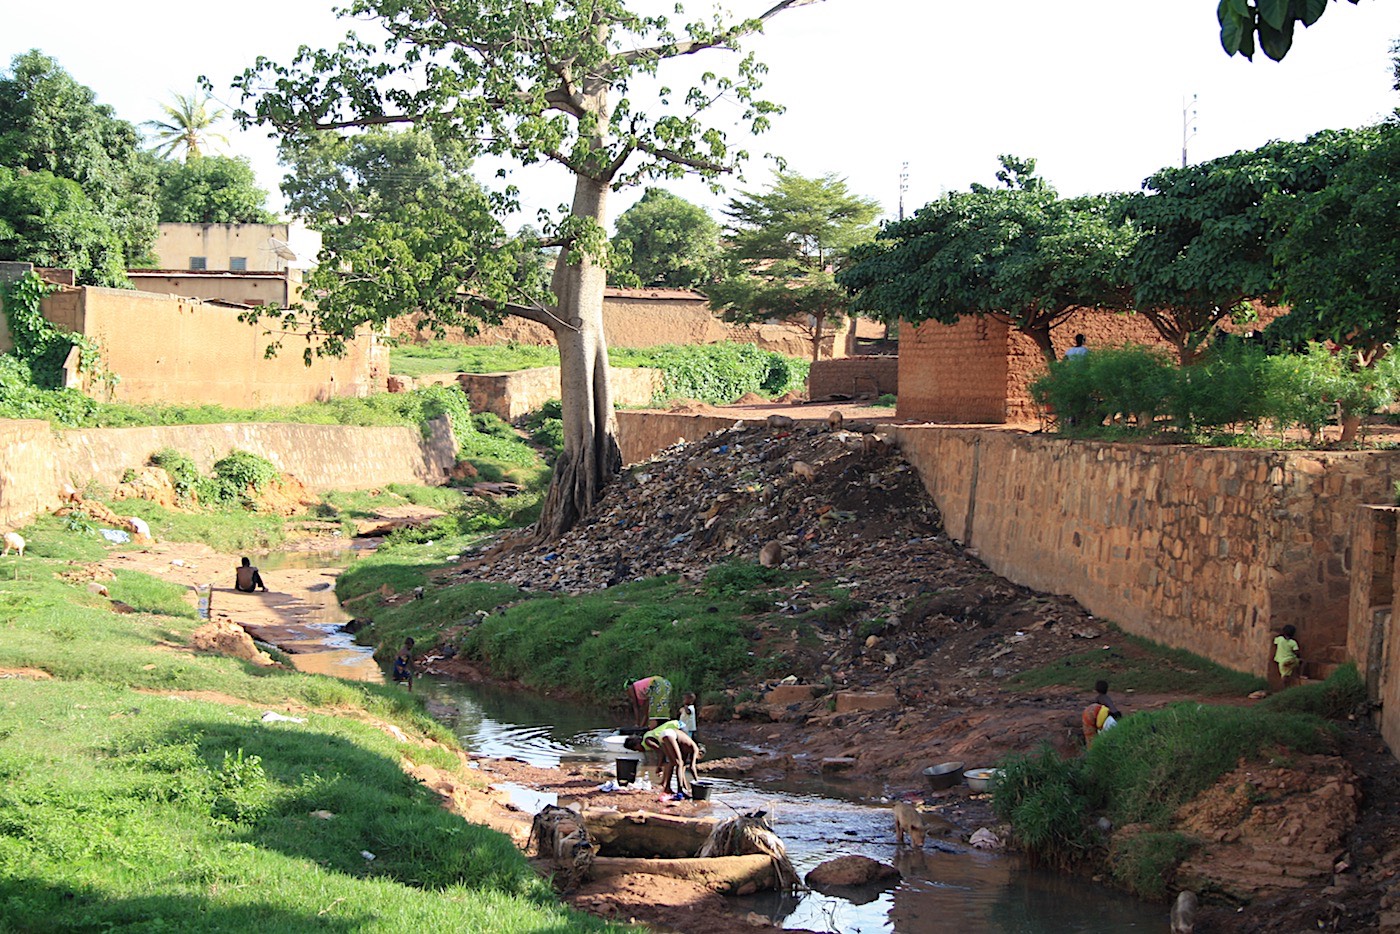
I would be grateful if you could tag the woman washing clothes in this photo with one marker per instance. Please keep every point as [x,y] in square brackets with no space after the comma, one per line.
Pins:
[672,749]
[651,700]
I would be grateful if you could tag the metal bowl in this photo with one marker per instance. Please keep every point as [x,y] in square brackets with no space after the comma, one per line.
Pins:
[980,780]
[944,775]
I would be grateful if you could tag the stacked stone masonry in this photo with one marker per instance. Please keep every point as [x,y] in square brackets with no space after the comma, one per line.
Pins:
[854,377]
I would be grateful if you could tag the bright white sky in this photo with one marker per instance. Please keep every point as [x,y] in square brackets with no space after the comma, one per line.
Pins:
[1093,89]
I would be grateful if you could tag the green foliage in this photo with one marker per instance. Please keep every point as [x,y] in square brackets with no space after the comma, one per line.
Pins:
[443,357]
[241,788]
[664,241]
[1340,696]
[212,190]
[52,131]
[782,248]
[147,594]
[718,373]
[1019,253]
[231,530]
[1272,21]
[887,401]
[546,427]
[1046,800]
[1206,233]
[1143,863]
[1236,386]
[40,348]
[1334,248]
[182,470]
[189,124]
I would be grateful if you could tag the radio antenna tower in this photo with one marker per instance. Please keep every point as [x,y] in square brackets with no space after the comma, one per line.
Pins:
[903,187]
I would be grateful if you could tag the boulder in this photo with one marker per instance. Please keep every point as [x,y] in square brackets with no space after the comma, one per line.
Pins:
[150,483]
[850,870]
[226,638]
[783,694]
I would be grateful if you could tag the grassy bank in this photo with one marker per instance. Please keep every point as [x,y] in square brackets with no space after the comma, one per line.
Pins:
[141,788]
[1143,667]
[1141,771]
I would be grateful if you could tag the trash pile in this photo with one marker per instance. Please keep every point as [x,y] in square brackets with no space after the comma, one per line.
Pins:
[828,503]
[814,499]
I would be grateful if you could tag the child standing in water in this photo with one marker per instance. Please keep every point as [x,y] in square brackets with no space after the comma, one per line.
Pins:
[1286,655]
[403,664]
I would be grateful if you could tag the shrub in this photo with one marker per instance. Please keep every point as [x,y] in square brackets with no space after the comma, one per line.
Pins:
[234,476]
[1045,799]
[1144,863]
[718,373]
[1342,694]
[181,469]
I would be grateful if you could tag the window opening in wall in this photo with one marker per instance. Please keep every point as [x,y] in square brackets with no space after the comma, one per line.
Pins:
[199,262]
[238,263]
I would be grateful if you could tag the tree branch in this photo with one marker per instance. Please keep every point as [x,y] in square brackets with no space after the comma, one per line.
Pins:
[670,155]
[719,40]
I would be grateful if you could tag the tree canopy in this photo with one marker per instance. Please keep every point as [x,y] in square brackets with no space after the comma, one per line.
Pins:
[1018,252]
[189,125]
[51,123]
[1205,240]
[664,240]
[565,81]
[212,190]
[1272,22]
[49,221]
[406,230]
[784,247]
[1337,251]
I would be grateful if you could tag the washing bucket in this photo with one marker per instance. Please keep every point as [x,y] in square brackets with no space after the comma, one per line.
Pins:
[700,791]
[626,771]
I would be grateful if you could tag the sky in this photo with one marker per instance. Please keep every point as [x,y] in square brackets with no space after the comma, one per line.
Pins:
[1093,89]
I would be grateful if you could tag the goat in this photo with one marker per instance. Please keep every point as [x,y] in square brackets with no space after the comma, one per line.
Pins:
[13,541]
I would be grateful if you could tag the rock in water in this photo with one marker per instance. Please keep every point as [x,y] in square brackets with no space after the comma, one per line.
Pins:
[850,870]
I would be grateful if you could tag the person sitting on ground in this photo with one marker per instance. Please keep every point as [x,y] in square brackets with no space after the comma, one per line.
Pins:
[246,578]
[672,750]
[1101,688]
[1286,655]
[403,664]
[650,699]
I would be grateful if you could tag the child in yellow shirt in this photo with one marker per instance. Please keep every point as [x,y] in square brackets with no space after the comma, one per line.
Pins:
[1286,655]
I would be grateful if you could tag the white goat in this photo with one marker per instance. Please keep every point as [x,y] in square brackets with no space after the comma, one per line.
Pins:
[13,541]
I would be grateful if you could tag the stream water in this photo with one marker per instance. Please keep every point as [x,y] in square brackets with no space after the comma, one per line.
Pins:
[946,886]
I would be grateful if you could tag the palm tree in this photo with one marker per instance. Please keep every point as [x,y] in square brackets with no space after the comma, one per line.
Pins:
[190,119]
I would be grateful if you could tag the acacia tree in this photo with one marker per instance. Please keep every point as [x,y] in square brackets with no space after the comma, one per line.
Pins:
[1018,253]
[1205,241]
[665,240]
[536,80]
[784,247]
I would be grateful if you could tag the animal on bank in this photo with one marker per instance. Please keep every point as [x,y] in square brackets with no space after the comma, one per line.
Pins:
[908,822]
[14,542]
[1184,913]
[834,420]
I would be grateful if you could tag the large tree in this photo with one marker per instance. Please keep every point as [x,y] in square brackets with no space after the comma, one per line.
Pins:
[51,123]
[535,80]
[189,125]
[405,227]
[49,221]
[664,240]
[1204,248]
[1018,253]
[1337,251]
[783,249]
[212,190]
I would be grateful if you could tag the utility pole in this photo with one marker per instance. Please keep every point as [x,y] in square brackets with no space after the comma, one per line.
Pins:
[1188,125]
[903,187]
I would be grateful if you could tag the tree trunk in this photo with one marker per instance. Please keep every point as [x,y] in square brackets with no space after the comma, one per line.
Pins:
[1041,336]
[591,457]
[817,338]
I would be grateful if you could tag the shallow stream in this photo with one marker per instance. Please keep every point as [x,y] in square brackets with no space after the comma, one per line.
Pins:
[946,886]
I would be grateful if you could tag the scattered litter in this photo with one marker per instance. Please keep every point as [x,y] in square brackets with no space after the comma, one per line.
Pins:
[117,536]
[367,854]
[398,734]
[322,815]
[176,562]
[270,716]
[609,785]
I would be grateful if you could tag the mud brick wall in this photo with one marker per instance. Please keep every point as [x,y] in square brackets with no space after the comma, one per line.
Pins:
[953,372]
[27,485]
[854,376]
[1209,550]
[642,434]
[35,461]
[511,395]
[173,350]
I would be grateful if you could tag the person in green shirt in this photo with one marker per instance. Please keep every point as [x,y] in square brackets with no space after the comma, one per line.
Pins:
[1286,655]
[674,752]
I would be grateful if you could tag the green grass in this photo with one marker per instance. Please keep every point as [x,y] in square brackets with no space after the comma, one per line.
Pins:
[123,805]
[1144,769]
[1145,668]
[445,357]
[147,594]
[228,529]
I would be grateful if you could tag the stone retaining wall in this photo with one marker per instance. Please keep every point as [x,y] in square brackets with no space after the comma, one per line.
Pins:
[511,395]
[854,377]
[35,460]
[1206,549]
